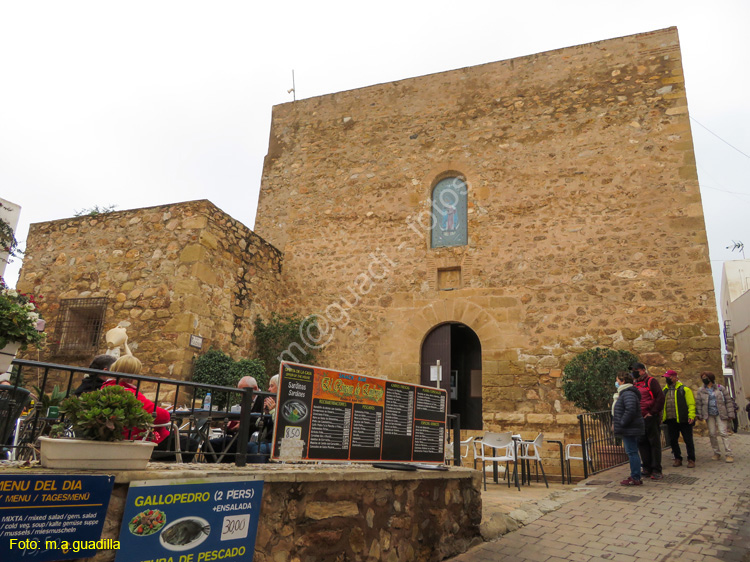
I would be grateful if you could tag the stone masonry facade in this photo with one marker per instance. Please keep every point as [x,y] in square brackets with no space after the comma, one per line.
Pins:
[585,228]
[169,272]
[585,223]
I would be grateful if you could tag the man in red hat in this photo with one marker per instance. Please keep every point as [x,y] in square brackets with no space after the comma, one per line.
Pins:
[679,415]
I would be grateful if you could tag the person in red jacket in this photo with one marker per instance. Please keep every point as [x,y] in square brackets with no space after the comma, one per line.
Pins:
[652,407]
[132,365]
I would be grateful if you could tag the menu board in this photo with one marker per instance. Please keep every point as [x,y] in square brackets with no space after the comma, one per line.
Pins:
[53,517]
[345,416]
[190,520]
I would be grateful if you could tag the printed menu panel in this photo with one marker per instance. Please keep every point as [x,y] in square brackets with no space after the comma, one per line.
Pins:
[53,516]
[295,405]
[191,520]
[336,415]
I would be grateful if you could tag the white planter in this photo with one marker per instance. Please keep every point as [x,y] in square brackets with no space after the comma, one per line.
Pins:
[7,354]
[102,455]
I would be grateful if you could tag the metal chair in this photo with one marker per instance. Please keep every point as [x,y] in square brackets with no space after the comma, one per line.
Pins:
[530,451]
[571,448]
[495,447]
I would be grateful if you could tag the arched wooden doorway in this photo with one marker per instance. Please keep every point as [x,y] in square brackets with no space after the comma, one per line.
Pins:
[460,353]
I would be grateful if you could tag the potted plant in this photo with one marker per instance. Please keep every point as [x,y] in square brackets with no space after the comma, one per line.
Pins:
[100,421]
[20,324]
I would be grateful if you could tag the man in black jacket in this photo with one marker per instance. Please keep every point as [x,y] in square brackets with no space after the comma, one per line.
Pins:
[93,382]
[652,406]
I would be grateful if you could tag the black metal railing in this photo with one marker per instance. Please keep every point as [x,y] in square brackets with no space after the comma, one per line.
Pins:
[183,405]
[454,429]
[190,424]
[602,450]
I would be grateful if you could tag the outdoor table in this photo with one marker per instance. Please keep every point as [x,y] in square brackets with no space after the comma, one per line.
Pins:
[203,430]
[496,476]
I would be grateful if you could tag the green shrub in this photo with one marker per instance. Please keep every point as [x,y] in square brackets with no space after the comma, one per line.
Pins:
[216,367]
[588,380]
[103,415]
[283,333]
[250,368]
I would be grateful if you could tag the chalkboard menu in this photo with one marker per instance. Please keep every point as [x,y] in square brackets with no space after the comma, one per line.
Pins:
[351,417]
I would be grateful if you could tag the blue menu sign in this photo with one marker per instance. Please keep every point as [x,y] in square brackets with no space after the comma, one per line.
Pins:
[190,520]
[47,518]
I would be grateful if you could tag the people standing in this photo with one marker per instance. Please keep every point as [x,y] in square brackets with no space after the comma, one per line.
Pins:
[652,405]
[629,425]
[716,407]
[679,416]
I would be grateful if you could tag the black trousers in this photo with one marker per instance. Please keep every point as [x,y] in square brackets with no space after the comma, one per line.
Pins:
[686,429]
[164,451]
[649,445]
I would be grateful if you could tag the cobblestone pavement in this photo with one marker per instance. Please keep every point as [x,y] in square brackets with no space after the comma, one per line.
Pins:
[692,514]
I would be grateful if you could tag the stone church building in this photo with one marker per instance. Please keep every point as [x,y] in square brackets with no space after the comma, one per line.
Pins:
[500,218]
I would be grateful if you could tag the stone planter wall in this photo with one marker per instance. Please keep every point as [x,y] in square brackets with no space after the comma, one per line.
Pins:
[337,513]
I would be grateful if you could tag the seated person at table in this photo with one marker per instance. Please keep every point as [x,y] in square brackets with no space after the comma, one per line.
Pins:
[160,435]
[91,381]
[259,450]
[227,443]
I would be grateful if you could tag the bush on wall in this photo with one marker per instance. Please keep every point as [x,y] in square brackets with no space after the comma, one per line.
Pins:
[285,333]
[588,380]
[216,367]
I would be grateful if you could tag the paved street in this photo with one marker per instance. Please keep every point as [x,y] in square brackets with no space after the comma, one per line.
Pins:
[693,514]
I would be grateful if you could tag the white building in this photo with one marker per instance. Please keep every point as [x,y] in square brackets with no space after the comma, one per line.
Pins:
[9,212]
[735,312]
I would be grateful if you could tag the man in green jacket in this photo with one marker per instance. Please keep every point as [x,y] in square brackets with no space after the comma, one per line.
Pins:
[679,415]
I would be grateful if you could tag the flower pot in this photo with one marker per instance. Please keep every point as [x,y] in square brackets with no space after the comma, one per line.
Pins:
[102,455]
[7,355]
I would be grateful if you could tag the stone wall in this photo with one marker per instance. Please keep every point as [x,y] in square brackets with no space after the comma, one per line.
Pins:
[332,513]
[584,215]
[168,271]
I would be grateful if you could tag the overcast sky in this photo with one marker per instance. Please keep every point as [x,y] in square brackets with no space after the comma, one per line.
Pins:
[138,103]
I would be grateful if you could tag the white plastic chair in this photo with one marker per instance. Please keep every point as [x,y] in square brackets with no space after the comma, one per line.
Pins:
[502,443]
[464,447]
[530,451]
[574,452]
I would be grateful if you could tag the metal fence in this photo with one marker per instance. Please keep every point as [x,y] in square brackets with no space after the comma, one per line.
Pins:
[61,380]
[601,449]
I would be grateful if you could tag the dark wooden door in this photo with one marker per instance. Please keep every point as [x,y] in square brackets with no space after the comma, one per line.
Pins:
[437,346]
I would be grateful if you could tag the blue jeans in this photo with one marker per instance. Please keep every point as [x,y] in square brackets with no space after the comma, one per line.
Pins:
[631,448]
[258,454]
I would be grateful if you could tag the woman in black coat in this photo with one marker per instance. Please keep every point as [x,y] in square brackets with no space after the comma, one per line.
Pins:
[628,424]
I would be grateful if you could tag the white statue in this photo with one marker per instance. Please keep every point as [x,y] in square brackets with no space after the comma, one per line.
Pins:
[116,338]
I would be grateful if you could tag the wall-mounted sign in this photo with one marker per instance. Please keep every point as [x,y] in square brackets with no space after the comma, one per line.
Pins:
[196,341]
[190,520]
[53,517]
[346,416]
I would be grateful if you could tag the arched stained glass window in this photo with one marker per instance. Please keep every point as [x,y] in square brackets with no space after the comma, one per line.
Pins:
[449,216]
